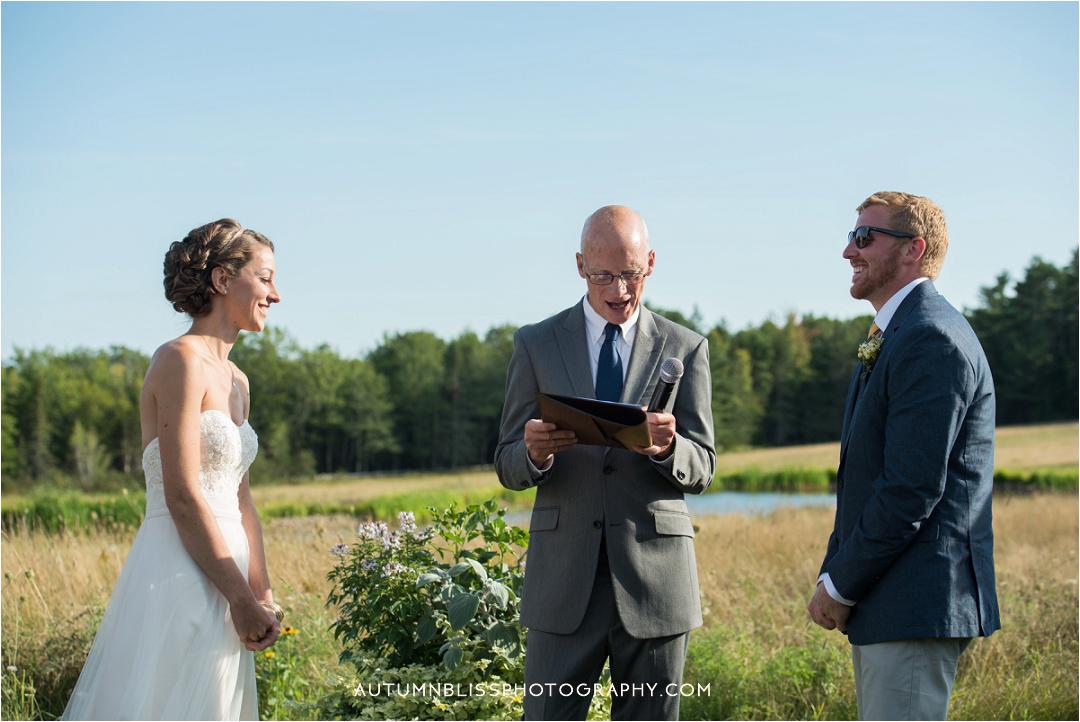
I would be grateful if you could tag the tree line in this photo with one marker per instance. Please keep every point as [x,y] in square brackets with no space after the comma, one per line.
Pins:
[417,402]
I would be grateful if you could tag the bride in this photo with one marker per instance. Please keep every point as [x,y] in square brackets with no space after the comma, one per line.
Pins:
[193,600]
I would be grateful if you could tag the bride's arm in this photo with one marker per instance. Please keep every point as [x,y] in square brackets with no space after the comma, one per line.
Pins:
[178,384]
[258,576]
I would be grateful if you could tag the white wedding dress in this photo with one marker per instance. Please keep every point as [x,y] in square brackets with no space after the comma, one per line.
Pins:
[166,648]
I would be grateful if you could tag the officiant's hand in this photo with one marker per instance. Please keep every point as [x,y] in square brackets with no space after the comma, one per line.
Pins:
[662,431]
[543,440]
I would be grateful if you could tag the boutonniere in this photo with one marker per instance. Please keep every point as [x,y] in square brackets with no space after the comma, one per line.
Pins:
[869,350]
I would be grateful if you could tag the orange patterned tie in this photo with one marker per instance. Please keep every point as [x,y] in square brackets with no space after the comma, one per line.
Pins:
[874,331]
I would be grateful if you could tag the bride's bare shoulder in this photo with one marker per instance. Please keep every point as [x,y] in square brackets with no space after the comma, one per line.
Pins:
[179,357]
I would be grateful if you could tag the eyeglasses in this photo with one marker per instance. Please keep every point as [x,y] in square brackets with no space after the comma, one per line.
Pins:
[605,279]
[861,235]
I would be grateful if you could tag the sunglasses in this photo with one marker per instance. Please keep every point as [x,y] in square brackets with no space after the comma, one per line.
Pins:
[861,235]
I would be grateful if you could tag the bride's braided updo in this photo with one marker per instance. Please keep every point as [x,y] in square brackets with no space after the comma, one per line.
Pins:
[188,263]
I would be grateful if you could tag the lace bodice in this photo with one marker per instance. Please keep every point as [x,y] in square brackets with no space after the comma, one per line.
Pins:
[227,452]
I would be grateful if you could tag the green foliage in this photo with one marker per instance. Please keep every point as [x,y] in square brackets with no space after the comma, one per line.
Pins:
[280,677]
[747,681]
[417,402]
[1029,330]
[438,606]
[1043,480]
[794,479]
[55,510]
[74,413]
[41,669]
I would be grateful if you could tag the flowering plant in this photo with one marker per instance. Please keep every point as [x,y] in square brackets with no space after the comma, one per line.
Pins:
[427,595]
[439,604]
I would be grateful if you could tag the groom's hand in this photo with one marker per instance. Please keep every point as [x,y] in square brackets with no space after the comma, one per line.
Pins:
[826,611]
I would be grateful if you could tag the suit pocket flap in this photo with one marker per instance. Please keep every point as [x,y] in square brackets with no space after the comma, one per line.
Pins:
[673,523]
[544,519]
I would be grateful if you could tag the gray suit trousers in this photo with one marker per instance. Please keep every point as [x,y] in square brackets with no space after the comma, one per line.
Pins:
[564,669]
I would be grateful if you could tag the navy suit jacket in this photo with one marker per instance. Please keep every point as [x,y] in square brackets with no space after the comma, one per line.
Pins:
[913,543]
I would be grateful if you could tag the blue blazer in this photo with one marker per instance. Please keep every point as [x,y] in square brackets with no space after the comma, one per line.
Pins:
[913,543]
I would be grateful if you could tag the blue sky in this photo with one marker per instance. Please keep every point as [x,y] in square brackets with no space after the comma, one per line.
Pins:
[428,166]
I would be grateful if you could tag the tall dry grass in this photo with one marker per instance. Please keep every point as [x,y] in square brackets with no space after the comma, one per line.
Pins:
[758,649]
[757,574]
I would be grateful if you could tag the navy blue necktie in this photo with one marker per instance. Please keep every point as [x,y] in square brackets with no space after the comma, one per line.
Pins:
[609,377]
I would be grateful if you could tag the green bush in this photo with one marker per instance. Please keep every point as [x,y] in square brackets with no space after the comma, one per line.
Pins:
[430,610]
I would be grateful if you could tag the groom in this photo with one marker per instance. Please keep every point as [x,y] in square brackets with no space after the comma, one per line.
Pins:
[909,570]
[611,572]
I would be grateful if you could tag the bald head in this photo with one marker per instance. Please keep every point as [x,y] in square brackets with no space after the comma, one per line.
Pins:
[615,242]
[615,224]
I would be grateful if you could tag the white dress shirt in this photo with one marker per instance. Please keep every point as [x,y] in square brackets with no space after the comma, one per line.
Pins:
[594,331]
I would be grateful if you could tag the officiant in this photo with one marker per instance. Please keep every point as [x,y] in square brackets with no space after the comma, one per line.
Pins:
[611,573]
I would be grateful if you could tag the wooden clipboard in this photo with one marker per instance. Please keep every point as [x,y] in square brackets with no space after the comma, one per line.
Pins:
[597,423]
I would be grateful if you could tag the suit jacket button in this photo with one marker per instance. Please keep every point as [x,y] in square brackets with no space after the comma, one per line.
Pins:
[839,483]
[681,474]
[608,469]
[598,524]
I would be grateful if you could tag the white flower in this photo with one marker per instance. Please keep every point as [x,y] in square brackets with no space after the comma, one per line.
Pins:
[868,350]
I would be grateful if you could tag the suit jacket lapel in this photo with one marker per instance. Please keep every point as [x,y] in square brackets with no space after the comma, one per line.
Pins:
[858,383]
[573,345]
[644,359]
[854,388]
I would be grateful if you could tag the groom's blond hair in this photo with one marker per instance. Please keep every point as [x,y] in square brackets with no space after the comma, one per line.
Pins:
[920,217]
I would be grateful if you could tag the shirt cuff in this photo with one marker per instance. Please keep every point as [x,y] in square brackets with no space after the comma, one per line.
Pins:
[831,589]
[539,473]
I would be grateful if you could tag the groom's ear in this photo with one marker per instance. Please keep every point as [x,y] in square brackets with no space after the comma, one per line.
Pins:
[916,250]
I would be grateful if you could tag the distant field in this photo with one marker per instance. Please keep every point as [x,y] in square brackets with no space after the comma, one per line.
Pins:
[349,489]
[1019,448]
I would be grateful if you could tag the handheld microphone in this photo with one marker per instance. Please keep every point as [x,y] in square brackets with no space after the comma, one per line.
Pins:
[670,372]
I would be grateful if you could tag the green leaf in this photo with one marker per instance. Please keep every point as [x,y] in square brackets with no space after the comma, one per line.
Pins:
[436,575]
[499,593]
[469,564]
[461,609]
[452,657]
[502,636]
[425,631]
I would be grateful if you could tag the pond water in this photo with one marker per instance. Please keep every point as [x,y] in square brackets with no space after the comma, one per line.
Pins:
[746,502]
[731,502]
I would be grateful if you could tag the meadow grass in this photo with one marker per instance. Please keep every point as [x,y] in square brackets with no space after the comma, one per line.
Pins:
[758,653]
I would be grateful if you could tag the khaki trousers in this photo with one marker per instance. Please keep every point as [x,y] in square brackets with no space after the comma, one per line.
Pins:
[909,679]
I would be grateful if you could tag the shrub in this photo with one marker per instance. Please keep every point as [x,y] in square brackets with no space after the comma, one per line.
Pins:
[430,611]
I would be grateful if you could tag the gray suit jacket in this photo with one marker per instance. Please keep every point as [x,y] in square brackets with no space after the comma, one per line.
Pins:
[913,543]
[637,503]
